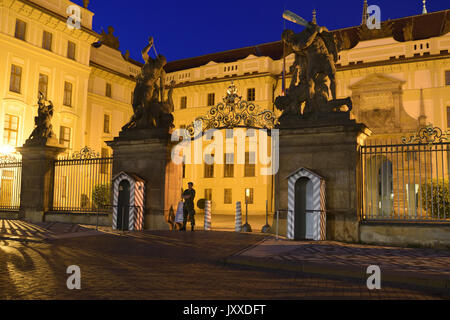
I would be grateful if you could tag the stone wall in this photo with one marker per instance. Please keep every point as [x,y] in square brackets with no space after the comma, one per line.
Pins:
[435,235]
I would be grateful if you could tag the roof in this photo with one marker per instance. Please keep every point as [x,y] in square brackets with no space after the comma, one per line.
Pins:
[134,176]
[307,170]
[424,26]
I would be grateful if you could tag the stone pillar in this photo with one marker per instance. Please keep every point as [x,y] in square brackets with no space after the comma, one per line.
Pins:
[147,153]
[38,173]
[332,151]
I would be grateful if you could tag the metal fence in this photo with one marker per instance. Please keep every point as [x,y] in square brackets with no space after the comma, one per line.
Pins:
[407,180]
[82,183]
[10,183]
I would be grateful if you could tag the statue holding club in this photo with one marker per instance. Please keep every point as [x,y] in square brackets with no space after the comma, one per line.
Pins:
[316,54]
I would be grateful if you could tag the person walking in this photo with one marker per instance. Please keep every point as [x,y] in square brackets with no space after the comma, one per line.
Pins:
[188,208]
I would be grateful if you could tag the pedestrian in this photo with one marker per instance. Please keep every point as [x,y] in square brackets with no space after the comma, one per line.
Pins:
[188,208]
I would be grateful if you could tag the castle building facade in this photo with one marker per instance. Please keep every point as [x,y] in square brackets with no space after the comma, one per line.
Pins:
[398,78]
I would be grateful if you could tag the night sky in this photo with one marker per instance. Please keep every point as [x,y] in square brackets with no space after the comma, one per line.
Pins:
[184,29]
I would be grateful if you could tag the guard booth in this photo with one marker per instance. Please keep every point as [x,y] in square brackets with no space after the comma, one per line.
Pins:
[128,202]
[306,202]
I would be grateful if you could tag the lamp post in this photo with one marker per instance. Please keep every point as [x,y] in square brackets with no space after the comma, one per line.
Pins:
[246,227]
[266,228]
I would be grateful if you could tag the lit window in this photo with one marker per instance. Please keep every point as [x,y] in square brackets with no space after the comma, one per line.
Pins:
[11,130]
[43,84]
[211,99]
[21,28]
[209,168]
[64,136]
[251,94]
[227,196]
[183,103]
[71,47]
[228,170]
[67,94]
[249,193]
[250,160]
[108,90]
[47,41]
[106,123]
[16,78]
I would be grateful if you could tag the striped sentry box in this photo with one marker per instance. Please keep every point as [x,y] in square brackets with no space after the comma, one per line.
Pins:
[136,209]
[207,224]
[316,221]
[238,217]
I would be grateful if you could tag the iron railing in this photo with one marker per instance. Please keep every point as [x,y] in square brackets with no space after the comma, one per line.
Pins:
[82,183]
[407,181]
[10,183]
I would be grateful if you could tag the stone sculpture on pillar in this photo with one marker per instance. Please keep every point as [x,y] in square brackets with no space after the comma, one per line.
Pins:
[316,53]
[43,132]
[151,111]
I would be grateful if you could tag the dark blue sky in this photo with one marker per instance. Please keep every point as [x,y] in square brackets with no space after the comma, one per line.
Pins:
[184,29]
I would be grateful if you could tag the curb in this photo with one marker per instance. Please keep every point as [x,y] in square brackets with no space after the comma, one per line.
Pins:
[428,281]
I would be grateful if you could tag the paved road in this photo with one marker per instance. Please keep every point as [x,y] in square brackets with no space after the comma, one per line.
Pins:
[163,265]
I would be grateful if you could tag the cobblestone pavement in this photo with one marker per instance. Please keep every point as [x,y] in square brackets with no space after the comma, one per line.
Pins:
[412,260]
[164,265]
[42,231]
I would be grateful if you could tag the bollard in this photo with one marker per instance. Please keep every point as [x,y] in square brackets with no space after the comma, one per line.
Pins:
[238,217]
[246,227]
[207,224]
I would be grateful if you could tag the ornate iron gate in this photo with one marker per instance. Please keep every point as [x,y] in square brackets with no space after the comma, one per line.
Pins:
[82,183]
[10,182]
[407,180]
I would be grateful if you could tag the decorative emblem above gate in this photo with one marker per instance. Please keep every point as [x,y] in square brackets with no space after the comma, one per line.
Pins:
[234,112]
[7,158]
[427,135]
[85,153]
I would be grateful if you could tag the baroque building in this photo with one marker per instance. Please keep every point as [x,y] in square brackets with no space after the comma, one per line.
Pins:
[398,78]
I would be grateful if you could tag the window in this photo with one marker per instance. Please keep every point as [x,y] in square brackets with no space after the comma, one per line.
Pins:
[229,133]
[47,38]
[208,194]
[71,47]
[67,94]
[183,103]
[447,77]
[448,117]
[228,170]
[21,28]
[11,130]
[64,136]
[184,167]
[227,196]
[249,193]
[209,168]
[43,84]
[211,99]
[106,123]
[251,94]
[250,160]
[16,78]
[104,166]
[108,90]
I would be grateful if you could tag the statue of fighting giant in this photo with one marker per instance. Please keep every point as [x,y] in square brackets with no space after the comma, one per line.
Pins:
[149,107]
[316,54]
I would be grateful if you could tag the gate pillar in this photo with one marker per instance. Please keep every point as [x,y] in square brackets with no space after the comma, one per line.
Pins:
[331,149]
[38,172]
[147,154]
